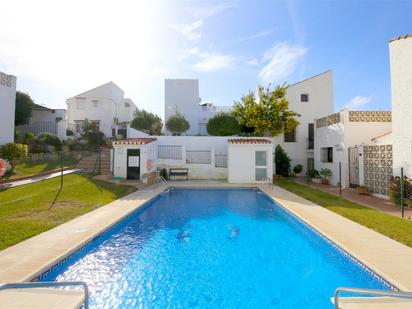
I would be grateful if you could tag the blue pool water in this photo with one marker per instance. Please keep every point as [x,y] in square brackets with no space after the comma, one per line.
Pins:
[212,248]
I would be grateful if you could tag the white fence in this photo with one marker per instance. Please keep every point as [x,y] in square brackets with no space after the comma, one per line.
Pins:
[221,160]
[171,152]
[198,156]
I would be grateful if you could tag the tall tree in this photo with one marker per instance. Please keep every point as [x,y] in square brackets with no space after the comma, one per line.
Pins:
[24,107]
[177,124]
[269,114]
[147,122]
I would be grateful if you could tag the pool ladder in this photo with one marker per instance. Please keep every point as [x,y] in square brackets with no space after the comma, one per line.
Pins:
[264,181]
[396,294]
[51,284]
[162,180]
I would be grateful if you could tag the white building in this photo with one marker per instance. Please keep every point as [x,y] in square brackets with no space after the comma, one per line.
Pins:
[338,138]
[104,105]
[44,119]
[182,96]
[312,98]
[400,51]
[8,106]
[250,160]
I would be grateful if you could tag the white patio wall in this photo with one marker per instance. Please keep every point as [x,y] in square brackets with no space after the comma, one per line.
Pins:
[7,103]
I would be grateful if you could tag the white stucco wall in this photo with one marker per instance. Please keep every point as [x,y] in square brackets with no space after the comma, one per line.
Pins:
[241,162]
[182,95]
[320,91]
[48,115]
[8,104]
[400,51]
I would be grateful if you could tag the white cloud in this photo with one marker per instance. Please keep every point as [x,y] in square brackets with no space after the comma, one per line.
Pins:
[252,61]
[281,61]
[214,61]
[255,35]
[189,31]
[208,11]
[358,102]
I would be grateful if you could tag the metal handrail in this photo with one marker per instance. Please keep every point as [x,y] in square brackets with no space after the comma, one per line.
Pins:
[28,285]
[397,294]
[162,180]
[265,180]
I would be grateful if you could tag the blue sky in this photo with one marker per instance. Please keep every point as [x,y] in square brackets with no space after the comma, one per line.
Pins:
[58,49]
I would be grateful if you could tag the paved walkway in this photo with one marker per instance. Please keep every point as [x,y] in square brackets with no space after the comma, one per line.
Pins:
[370,201]
[40,178]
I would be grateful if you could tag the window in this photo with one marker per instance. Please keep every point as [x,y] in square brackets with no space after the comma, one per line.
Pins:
[311,135]
[304,97]
[290,137]
[80,104]
[326,154]
[260,165]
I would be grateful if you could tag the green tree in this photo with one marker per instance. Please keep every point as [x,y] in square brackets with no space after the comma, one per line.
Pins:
[223,124]
[24,107]
[177,124]
[282,162]
[147,122]
[267,115]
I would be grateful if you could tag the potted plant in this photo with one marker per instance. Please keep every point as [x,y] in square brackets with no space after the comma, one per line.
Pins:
[298,169]
[325,173]
[314,175]
[362,190]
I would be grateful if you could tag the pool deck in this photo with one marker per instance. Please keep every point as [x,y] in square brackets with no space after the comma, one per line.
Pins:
[389,259]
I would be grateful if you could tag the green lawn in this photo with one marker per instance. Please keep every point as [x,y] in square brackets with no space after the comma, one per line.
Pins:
[391,226]
[34,167]
[31,209]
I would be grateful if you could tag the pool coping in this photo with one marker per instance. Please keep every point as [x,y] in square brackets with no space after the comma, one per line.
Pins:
[35,256]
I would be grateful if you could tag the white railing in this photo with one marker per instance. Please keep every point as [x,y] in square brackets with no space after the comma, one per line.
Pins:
[396,294]
[198,156]
[52,284]
[220,160]
[171,152]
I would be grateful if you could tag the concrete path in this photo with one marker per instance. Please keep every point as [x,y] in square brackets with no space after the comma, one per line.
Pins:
[40,178]
[370,201]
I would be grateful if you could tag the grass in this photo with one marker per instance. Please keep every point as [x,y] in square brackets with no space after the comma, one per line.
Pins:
[28,210]
[391,226]
[34,167]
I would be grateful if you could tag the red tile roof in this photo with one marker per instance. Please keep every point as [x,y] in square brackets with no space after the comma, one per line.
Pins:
[249,141]
[401,37]
[135,141]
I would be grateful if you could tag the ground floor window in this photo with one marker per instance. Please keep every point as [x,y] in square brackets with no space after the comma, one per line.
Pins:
[260,165]
[290,137]
[326,154]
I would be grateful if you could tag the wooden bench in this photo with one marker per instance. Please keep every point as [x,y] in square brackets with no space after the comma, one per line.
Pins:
[178,171]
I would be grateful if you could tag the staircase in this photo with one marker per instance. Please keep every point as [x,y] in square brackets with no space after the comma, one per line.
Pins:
[90,163]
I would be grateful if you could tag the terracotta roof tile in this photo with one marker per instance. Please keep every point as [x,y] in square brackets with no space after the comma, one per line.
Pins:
[135,141]
[249,141]
[401,37]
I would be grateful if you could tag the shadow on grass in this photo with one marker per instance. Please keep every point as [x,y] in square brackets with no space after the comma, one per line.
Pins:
[55,198]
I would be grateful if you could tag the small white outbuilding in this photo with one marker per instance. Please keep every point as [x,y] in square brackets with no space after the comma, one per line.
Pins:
[250,160]
[134,158]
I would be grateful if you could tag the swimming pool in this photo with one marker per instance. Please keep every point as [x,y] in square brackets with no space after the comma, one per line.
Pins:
[212,248]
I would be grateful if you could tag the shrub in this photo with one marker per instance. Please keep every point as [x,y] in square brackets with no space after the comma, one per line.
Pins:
[395,189]
[43,140]
[282,162]
[325,173]
[95,138]
[69,132]
[223,124]
[29,135]
[298,169]
[13,152]
[177,124]
[313,173]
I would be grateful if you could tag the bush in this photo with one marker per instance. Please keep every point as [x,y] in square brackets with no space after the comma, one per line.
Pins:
[177,124]
[95,138]
[69,132]
[43,140]
[313,173]
[282,162]
[13,152]
[395,189]
[298,169]
[325,172]
[223,124]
